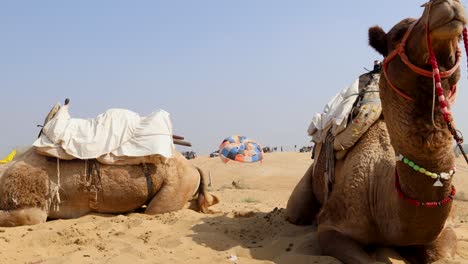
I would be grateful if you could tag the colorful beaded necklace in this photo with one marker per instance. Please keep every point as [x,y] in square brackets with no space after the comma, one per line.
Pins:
[435,176]
[419,203]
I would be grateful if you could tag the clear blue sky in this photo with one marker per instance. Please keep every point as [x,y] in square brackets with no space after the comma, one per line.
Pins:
[260,68]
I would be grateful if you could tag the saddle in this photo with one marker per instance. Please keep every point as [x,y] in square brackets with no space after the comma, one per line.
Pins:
[348,116]
[116,137]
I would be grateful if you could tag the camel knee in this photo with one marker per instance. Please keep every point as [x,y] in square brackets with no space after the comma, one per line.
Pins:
[444,246]
[25,216]
[299,217]
[303,206]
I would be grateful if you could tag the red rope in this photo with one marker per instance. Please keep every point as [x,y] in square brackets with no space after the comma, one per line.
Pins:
[419,203]
[440,91]
[465,39]
[458,138]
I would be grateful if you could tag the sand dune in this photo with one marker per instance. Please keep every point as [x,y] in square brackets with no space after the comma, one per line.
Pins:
[249,228]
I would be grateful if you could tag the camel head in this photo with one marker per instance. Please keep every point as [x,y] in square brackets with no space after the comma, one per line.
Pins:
[445,18]
[406,87]
[405,46]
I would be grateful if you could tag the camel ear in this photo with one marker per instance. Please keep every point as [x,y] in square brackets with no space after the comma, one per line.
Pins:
[377,40]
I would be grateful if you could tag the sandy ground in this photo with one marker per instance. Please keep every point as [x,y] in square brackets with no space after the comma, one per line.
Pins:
[249,228]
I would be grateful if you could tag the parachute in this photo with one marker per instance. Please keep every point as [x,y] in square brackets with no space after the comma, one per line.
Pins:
[241,149]
[9,157]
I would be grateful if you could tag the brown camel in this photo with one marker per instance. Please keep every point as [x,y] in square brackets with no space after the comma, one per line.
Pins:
[27,187]
[363,207]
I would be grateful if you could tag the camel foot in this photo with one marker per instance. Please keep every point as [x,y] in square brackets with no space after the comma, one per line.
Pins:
[24,216]
[389,256]
[444,246]
[337,245]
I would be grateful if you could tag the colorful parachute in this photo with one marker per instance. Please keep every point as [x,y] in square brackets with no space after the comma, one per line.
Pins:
[9,157]
[240,148]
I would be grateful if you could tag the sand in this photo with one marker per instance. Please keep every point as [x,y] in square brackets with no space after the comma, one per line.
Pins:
[249,228]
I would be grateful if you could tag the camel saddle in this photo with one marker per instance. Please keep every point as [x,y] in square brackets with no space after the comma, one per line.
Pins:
[347,116]
[116,137]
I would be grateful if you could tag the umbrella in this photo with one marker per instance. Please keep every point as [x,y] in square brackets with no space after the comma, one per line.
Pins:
[241,149]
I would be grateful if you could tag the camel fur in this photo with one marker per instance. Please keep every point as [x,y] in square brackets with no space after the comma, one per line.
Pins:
[363,207]
[27,188]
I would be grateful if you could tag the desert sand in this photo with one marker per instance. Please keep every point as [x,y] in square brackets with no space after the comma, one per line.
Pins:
[248,228]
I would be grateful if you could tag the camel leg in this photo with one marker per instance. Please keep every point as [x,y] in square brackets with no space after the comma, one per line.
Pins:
[337,245]
[170,197]
[444,246]
[302,205]
[25,216]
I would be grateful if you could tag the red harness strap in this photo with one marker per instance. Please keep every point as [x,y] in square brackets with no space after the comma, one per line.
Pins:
[400,51]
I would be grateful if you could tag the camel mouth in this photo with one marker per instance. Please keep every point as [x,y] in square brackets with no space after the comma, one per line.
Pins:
[453,28]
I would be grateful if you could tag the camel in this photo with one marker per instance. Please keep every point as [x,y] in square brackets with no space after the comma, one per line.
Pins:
[34,188]
[377,200]
[27,188]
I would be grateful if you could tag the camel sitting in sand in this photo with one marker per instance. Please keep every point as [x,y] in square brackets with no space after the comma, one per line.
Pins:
[34,188]
[376,198]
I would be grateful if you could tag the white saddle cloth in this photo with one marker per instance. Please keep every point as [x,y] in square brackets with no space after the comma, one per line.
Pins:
[117,132]
[335,113]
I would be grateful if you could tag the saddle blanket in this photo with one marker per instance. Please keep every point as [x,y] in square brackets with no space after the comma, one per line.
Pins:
[335,113]
[348,115]
[116,133]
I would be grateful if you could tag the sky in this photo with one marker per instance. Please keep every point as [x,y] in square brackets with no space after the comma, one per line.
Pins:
[259,68]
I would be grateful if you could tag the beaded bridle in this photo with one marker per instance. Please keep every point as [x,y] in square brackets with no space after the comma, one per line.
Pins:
[444,102]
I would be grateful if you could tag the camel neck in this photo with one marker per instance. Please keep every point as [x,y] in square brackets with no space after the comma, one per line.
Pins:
[415,136]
